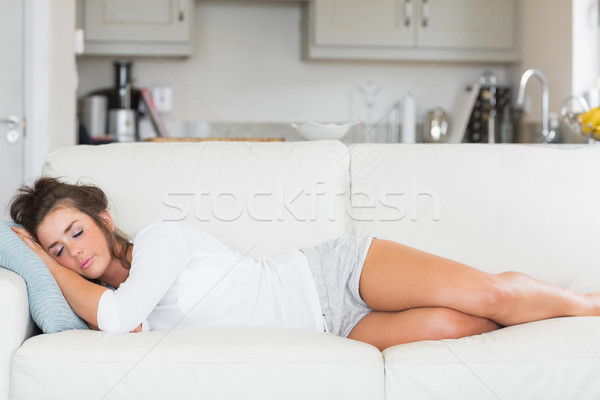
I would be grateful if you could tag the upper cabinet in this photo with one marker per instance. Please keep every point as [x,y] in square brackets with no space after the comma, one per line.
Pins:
[138,27]
[459,30]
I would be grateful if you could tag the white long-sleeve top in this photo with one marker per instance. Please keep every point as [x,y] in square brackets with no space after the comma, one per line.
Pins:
[181,276]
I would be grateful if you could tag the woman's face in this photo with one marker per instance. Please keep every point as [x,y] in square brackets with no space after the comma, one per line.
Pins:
[74,240]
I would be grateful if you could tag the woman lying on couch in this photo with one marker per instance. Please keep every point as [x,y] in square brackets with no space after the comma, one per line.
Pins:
[171,274]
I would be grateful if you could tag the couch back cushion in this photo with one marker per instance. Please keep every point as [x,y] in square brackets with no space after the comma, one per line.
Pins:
[258,198]
[532,208]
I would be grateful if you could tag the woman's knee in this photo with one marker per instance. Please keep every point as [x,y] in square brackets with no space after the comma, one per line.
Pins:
[451,324]
[501,295]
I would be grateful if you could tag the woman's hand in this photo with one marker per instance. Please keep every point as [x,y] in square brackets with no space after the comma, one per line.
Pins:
[82,295]
[33,245]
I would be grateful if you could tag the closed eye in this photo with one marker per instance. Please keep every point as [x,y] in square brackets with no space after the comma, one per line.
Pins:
[62,248]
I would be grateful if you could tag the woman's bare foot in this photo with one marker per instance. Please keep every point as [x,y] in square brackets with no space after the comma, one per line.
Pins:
[595,302]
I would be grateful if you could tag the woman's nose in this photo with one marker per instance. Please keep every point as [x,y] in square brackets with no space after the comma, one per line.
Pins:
[75,250]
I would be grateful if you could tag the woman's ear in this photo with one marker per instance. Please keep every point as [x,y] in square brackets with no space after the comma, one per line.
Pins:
[106,217]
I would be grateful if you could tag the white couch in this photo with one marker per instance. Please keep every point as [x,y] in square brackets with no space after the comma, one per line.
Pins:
[531,208]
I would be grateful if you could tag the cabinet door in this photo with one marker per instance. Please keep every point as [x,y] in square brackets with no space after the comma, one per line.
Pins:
[138,27]
[360,22]
[466,24]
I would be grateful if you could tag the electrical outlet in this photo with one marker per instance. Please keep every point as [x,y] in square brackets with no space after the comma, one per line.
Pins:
[163,98]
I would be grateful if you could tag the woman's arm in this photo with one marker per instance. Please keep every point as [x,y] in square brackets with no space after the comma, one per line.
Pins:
[159,255]
[82,295]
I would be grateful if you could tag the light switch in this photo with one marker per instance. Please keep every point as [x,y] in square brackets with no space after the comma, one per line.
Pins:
[163,98]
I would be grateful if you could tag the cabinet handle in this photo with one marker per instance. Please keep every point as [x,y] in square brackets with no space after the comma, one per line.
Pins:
[408,12]
[425,13]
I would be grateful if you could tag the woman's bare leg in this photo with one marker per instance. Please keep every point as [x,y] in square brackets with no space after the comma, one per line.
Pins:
[386,329]
[396,277]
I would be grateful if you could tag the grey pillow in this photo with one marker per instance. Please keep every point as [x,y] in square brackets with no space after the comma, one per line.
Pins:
[47,305]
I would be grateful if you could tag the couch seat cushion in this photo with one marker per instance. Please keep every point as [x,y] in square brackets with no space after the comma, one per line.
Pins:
[551,359]
[194,363]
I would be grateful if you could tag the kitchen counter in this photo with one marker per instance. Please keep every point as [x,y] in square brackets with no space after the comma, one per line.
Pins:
[281,131]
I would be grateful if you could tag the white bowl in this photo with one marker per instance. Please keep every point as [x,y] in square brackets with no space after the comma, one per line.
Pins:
[317,131]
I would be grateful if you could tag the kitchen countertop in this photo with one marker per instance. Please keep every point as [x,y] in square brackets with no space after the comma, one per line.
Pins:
[280,131]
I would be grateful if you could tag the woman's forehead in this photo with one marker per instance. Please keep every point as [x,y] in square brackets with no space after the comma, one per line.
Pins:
[57,221]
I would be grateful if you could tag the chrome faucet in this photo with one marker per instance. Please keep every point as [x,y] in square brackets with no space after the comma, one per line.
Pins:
[547,135]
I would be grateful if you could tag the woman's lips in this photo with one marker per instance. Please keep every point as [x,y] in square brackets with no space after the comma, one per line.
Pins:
[86,263]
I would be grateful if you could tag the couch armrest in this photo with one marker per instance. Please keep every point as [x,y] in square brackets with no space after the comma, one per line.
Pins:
[16,324]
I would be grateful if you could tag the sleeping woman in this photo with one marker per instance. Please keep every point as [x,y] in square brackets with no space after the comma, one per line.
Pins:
[364,288]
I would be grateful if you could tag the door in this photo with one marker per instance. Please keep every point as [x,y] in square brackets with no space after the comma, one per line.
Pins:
[11,101]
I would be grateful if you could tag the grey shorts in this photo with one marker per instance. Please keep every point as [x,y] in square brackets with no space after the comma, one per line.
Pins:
[336,266]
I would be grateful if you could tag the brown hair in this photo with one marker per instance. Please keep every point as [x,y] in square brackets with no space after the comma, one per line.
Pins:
[31,204]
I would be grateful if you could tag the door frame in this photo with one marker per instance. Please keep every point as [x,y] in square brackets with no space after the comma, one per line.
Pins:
[50,79]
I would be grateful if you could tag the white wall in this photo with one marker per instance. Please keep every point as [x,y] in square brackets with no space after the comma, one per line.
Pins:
[546,45]
[586,46]
[561,40]
[247,67]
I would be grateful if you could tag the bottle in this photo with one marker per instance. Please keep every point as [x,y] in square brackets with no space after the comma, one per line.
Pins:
[506,127]
[409,119]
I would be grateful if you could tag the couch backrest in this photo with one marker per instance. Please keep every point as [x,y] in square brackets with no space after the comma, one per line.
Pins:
[533,208]
[258,198]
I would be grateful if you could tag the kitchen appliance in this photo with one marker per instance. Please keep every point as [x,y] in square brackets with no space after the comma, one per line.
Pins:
[123,102]
[93,115]
[122,123]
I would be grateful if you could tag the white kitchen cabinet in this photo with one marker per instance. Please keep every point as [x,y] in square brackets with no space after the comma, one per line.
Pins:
[472,24]
[465,30]
[138,27]
[362,23]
